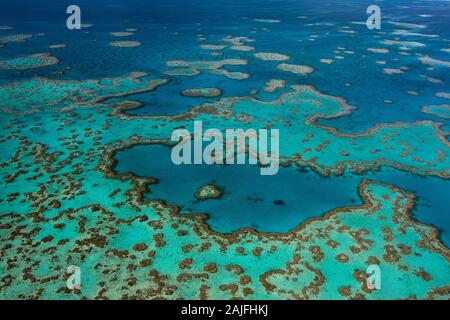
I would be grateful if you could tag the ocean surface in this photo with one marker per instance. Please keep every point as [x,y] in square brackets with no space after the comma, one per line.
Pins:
[388,75]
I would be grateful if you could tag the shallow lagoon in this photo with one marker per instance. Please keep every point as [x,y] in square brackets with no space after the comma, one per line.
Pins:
[249,199]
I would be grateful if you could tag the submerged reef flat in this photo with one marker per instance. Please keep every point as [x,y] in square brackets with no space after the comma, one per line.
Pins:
[187,72]
[201,92]
[233,75]
[434,62]
[38,60]
[193,68]
[445,95]
[378,50]
[407,25]
[62,202]
[208,192]
[90,178]
[267,20]
[273,84]
[269,56]
[46,95]
[242,48]
[325,149]
[57,46]
[404,44]
[327,61]
[15,38]
[237,41]
[125,44]
[206,65]
[217,266]
[297,69]
[121,34]
[212,47]
[392,71]
[442,111]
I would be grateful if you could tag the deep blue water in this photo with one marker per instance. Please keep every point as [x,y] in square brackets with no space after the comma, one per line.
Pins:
[250,200]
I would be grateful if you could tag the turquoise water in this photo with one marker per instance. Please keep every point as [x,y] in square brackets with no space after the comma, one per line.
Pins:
[250,200]
[60,124]
[170,33]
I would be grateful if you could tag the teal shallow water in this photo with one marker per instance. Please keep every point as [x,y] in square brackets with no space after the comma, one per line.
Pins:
[250,200]
[60,200]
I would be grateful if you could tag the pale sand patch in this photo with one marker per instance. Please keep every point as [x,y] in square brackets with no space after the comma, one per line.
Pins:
[408,25]
[347,31]
[267,20]
[434,62]
[237,41]
[121,34]
[445,95]
[407,44]
[361,23]
[242,48]
[378,50]
[57,46]
[271,56]
[125,44]
[327,61]
[413,34]
[434,80]
[297,69]
[326,24]
[392,71]
[230,75]
[212,47]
